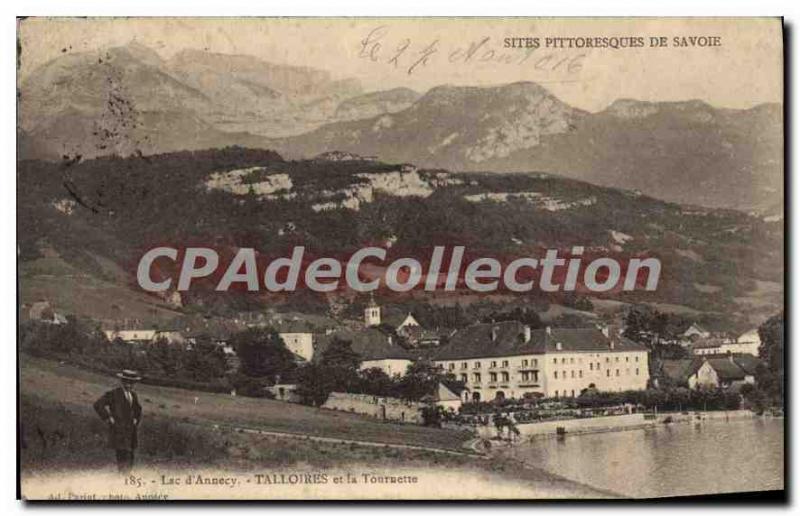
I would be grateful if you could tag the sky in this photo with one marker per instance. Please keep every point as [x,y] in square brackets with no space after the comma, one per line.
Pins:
[743,70]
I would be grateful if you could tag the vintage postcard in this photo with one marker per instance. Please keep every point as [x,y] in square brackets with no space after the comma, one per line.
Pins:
[400,258]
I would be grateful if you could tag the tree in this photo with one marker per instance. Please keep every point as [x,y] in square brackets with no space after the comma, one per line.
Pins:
[421,379]
[262,353]
[639,324]
[523,315]
[339,353]
[204,361]
[376,382]
[313,384]
[770,376]
[337,370]
[652,328]
[164,358]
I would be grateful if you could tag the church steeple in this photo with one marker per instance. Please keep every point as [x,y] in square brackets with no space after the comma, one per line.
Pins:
[372,313]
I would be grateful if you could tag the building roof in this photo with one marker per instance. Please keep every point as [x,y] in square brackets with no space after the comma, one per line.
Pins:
[293,326]
[712,342]
[747,362]
[696,326]
[445,391]
[728,367]
[477,341]
[679,370]
[370,343]
[734,366]
[215,327]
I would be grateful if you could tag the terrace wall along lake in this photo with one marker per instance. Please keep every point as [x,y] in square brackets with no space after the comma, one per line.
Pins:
[670,460]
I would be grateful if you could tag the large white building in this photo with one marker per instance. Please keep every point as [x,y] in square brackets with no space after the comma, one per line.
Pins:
[509,360]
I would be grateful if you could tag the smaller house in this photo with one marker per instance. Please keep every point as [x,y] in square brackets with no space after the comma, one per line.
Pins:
[285,388]
[707,346]
[285,392]
[748,342]
[723,372]
[714,371]
[146,335]
[375,348]
[171,336]
[695,331]
[42,311]
[132,336]
[433,338]
[448,395]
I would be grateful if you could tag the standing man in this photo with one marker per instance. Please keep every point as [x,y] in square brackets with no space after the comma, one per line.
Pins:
[121,410]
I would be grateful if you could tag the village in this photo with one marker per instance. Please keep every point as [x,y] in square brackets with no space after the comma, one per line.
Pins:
[476,373]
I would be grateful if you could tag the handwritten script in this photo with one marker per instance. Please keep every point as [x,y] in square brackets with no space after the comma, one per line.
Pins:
[401,53]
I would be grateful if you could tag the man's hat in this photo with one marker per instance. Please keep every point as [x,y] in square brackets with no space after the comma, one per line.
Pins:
[129,375]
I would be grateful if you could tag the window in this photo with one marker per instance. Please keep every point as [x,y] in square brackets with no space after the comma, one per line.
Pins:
[637,371]
[476,365]
[572,360]
[591,366]
[564,375]
[608,360]
[504,376]
[572,374]
[452,366]
[464,377]
[525,362]
[463,365]
[555,375]
[536,376]
[535,362]
[476,377]
[616,359]
[492,377]
[494,363]
[580,373]
[627,359]
[636,359]
[563,360]
[608,372]
[525,376]
[505,363]
[617,372]
[555,360]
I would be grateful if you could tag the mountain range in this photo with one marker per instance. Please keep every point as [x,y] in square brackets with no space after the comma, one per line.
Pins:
[129,100]
[687,152]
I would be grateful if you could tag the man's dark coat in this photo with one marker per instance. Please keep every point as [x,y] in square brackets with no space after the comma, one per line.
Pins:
[122,434]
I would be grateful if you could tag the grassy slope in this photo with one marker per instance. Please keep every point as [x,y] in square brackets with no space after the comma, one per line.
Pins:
[60,433]
[78,389]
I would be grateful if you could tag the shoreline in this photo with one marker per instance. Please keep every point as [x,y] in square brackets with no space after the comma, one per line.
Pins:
[604,424]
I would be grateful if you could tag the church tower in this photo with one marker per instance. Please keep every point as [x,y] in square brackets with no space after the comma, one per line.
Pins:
[372,313]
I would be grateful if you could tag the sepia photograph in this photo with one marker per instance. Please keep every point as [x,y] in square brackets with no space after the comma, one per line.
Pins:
[400,258]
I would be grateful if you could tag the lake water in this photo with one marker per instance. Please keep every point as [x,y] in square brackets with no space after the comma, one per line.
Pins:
[678,459]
